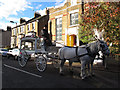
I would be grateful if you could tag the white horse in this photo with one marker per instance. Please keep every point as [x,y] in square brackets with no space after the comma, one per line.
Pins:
[84,54]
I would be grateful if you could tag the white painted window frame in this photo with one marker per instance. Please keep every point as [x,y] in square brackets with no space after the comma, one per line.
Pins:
[22,29]
[57,17]
[33,25]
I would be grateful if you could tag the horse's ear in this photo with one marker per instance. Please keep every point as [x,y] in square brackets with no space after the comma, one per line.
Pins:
[96,37]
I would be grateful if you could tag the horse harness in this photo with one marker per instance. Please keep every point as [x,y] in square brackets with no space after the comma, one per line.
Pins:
[78,56]
[82,54]
[88,53]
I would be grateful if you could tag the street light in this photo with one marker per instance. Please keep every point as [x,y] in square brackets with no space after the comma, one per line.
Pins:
[13,22]
[15,36]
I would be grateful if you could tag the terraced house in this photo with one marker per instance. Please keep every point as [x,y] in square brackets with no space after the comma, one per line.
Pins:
[25,28]
[64,23]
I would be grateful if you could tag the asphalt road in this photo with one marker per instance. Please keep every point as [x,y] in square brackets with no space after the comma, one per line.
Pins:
[14,76]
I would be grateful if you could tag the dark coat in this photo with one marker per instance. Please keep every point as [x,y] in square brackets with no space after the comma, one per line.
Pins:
[45,35]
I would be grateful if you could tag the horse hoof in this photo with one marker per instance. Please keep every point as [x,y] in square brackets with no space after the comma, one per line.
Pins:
[106,68]
[93,75]
[89,75]
[83,78]
[71,72]
[61,73]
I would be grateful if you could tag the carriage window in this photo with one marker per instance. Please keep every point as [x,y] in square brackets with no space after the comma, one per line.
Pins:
[28,45]
[59,28]
[38,44]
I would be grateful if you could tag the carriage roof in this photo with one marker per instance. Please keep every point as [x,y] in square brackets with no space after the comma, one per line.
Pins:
[29,39]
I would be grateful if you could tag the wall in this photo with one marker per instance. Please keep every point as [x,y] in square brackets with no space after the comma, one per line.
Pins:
[40,22]
[5,38]
[64,12]
[0,38]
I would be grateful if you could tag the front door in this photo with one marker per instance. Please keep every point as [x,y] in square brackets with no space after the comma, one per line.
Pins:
[71,40]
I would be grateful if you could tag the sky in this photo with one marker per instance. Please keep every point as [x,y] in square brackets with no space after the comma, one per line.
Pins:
[13,10]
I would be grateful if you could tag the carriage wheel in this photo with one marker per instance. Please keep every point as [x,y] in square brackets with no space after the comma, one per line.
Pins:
[22,59]
[41,63]
[56,63]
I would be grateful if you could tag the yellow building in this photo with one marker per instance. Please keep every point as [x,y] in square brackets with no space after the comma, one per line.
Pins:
[64,21]
[34,25]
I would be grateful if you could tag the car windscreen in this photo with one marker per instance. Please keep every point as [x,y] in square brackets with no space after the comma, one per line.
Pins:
[15,50]
[4,50]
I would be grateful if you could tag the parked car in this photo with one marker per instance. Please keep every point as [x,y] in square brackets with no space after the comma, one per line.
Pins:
[13,53]
[3,52]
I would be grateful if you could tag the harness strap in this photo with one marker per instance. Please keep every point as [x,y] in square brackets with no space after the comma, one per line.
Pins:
[77,53]
[83,55]
[78,56]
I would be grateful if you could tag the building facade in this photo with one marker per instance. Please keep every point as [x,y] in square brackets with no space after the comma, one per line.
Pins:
[5,38]
[64,23]
[25,28]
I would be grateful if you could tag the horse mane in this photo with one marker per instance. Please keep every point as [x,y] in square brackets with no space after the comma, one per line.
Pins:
[93,48]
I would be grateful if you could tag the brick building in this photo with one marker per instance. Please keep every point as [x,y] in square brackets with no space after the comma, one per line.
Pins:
[64,23]
[5,38]
[25,28]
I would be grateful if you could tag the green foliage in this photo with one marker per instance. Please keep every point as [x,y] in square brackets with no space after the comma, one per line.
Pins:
[101,15]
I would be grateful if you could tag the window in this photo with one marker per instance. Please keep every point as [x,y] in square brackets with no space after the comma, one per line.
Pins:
[28,45]
[28,27]
[73,18]
[73,2]
[14,31]
[22,29]
[59,29]
[33,25]
[38,44]
[18,30]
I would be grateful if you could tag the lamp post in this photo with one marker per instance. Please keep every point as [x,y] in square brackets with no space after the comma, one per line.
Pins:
[13,22]
[15,37]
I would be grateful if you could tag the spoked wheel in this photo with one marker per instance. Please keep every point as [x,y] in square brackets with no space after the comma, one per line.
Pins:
[41,63]
[56,63]
[23,58]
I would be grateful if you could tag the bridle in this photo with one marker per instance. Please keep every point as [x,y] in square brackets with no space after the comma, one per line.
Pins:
[103,48]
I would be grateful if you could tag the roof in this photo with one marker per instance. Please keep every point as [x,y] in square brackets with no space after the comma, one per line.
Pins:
[29,39]
[29,21]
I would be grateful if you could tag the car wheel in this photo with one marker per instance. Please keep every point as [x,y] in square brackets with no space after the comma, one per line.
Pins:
[16,57]
[8,56]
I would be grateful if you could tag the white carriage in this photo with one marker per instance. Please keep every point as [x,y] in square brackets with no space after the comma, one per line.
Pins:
[31,48]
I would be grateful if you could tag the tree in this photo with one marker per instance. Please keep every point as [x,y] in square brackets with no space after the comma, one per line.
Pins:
[101,15]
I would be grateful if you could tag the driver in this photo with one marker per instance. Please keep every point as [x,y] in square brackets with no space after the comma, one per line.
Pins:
[45,36]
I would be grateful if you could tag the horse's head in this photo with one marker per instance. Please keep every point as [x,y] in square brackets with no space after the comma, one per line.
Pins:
[103,47]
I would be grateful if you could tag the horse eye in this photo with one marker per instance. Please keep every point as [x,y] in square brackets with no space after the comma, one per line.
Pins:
[102,45]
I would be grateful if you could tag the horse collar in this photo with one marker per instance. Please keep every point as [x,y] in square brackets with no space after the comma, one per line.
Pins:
[89,52]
